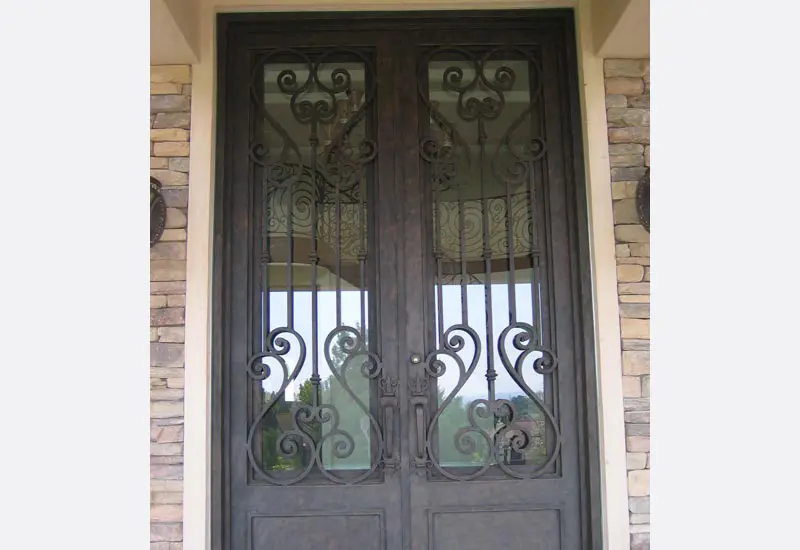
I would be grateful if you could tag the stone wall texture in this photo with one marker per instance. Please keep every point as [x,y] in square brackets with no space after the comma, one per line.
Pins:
[170,97]
[627,83]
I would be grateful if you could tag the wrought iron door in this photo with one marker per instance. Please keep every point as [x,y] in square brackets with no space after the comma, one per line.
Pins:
[399,318]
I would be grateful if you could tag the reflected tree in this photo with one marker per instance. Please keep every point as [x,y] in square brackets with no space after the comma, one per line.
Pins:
[454,418]
[352,419]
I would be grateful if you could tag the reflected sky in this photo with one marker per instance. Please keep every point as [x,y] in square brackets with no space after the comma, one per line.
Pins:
[476,386]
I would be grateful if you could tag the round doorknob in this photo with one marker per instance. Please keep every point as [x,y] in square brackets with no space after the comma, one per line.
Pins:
[416,359]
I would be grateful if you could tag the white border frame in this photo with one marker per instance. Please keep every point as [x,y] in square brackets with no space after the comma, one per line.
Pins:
[197,411]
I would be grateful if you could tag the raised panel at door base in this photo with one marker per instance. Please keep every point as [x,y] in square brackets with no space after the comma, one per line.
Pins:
[494,528]
[356,531]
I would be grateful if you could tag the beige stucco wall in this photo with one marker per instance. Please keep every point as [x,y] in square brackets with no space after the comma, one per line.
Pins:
[196,411]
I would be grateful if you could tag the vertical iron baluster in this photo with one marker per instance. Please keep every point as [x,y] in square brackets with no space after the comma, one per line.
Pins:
[257,391]
[266,259]
[258,127]
[512,291]
[437,248]
[290,259]
[362,252]
[314,258]
[491,375]
[375,450]
[536,212]
[462,244]
[338,145]
[338,222]
[535,200]
[536,314]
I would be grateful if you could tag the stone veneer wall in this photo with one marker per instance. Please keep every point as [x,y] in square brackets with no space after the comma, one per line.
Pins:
[170,97]
[627,83]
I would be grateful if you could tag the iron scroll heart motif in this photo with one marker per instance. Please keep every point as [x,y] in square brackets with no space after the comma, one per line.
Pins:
[510,428]
[643,200]
[158,211]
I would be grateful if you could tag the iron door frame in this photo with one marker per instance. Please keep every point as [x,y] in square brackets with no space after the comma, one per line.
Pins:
[232,27]
[563,256]
[236,322]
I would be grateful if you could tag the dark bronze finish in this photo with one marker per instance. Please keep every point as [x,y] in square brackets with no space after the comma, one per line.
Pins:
[294,187]
[403,175]
[481,99]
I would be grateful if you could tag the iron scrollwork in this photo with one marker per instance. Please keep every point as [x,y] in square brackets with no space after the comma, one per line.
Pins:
[478,230]
[339,164]
[508,433]
[316,192]
[308,420]
[448,154]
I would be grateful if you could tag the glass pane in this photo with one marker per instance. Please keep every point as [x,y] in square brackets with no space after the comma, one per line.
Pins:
[317,368]
[482,151]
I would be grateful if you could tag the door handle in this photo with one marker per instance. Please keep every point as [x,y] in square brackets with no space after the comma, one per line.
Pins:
[419,418]
[389,402]
[419,404]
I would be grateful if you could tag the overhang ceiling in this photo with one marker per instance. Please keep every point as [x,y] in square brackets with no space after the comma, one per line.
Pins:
[620,28]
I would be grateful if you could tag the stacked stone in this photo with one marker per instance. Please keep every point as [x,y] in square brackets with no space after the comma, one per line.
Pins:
[170,96]
[627,83]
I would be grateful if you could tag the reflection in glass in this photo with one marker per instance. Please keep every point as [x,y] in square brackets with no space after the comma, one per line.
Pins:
[481,154]
[311,155]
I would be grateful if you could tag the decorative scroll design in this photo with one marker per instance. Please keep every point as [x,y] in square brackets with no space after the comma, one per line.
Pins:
[333,175]
[158,211]
[311,175]
[480,99]
[314,103]
[449,213]
[453,343]
[305,437]
[643,200]
[297,200]
[499,223]
[510,432]
[518,437]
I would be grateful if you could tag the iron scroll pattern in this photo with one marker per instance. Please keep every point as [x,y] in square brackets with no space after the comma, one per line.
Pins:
[496,226]
[307,419]
[307,192]
[509,432]
[335,165]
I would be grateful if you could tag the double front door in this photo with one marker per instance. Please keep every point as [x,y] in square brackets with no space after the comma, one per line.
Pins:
[399,317]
